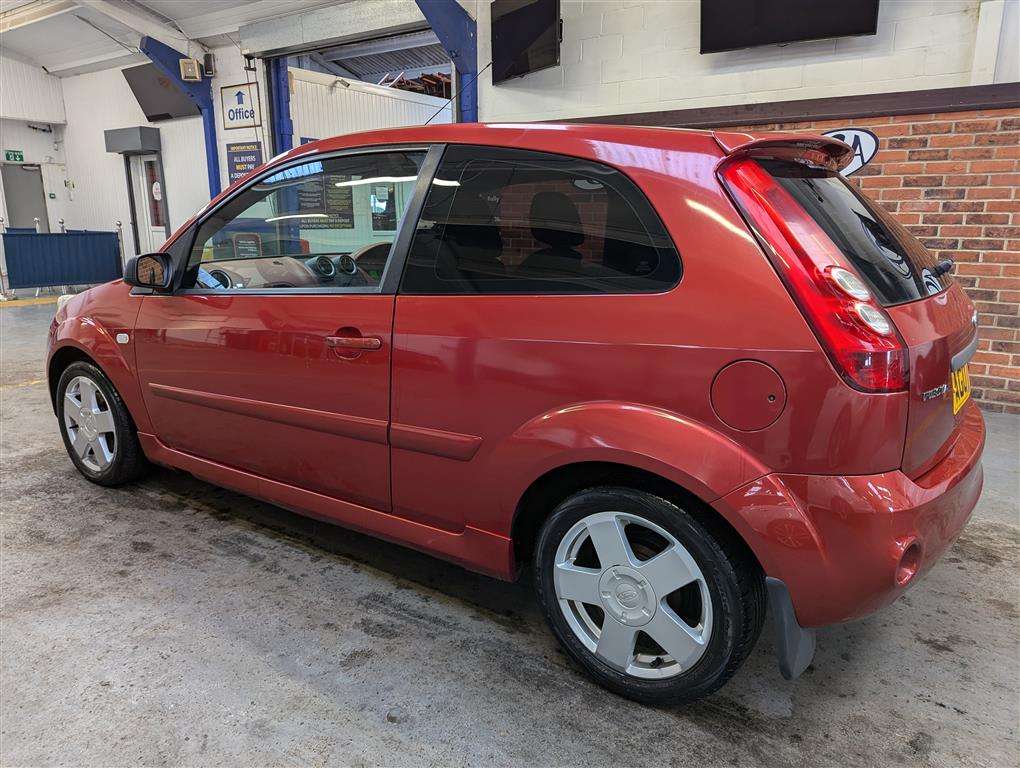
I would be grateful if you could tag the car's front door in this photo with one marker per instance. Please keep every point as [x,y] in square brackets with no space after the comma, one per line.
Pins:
[273,354]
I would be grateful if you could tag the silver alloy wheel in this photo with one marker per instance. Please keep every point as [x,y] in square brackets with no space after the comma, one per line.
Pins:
[632,597]
[89,423]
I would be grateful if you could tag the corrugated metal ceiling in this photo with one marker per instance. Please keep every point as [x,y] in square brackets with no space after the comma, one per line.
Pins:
[395,61]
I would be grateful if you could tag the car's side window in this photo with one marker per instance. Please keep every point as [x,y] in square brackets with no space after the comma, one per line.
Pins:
[502,220]
[325,224]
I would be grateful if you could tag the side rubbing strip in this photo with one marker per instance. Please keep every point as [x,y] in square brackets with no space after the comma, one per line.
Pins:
[357,427]
[435,441]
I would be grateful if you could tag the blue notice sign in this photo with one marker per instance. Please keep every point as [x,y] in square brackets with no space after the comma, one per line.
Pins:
[243,158]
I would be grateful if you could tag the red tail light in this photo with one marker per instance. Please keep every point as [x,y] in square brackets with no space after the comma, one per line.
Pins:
[851,327]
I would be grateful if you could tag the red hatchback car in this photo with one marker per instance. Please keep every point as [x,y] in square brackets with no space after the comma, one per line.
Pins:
[680,373]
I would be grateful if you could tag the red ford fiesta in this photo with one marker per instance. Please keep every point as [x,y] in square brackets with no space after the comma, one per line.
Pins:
[678,374]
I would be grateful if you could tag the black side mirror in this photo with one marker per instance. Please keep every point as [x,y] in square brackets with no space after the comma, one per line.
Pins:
[153,270]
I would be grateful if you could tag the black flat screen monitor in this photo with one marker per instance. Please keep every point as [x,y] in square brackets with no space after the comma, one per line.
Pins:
[525,37]
[730,24]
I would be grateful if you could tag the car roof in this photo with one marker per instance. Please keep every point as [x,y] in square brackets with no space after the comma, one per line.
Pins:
[503,133]
[570,138]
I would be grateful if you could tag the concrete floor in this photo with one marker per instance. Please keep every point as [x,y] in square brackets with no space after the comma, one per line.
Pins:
[175,623]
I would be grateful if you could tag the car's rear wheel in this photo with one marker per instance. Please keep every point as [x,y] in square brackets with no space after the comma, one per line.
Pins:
[96,427]
[651,602]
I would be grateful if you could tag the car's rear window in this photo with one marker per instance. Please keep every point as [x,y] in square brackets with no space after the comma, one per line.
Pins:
[896,266]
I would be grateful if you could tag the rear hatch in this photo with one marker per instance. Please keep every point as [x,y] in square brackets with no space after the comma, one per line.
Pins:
[933,316]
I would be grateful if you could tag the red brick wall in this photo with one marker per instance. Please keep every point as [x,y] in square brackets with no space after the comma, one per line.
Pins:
[954,180]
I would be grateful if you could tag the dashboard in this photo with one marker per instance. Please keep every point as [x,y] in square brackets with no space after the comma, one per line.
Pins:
[362,268]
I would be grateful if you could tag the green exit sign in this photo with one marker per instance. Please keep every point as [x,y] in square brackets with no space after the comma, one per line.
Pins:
[14,156]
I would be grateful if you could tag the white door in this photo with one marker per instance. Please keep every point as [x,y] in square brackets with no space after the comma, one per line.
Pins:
[150,210]
[26,198]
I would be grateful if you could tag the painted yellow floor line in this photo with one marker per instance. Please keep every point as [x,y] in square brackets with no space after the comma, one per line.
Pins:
[28,302]
[23,384]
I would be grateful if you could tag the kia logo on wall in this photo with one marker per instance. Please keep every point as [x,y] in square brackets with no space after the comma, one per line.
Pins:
[863,143]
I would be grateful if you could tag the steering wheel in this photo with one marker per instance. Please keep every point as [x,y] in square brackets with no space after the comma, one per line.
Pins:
[370,252]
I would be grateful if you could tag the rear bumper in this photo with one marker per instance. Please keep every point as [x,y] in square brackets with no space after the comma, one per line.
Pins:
[846,546]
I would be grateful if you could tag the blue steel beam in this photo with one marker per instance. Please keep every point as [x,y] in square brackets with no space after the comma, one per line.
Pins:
[458,33]
[283,126]
[167,61]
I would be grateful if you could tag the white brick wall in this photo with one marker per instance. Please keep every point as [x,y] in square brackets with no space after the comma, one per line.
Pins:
[642,55]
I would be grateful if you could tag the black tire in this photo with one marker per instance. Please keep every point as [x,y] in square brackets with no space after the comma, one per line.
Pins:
[128,461]
[734,580]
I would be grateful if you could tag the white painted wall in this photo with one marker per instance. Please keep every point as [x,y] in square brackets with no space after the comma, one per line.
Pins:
[1007,60]
[321,106]
[40,142]
[621,56]
[28,93]
[230,71]
[100,101]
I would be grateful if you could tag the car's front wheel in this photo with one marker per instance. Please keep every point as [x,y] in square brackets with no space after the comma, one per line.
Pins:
[97,429]
[651,602]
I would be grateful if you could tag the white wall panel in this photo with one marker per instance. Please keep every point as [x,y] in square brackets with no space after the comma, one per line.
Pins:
[100,101]
[321,106]
[38,144]
[28,93]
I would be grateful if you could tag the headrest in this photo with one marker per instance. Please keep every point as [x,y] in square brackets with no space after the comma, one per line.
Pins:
[471,225]
[555,220]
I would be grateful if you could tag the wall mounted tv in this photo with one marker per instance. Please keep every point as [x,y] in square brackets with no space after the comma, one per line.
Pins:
[158,95]
[730,24]
[525,37]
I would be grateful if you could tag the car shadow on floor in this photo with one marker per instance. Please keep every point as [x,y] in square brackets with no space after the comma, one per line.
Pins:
[509,604]
[505,601]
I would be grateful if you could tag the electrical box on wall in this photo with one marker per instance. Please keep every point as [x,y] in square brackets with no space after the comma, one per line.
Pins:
[209,64]
[191,70]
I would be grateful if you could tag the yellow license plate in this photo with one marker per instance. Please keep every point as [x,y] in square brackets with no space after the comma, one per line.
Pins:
[959,382]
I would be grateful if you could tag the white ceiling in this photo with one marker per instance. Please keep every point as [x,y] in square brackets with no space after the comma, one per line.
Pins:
[69,37]
[201,18]
[68,41]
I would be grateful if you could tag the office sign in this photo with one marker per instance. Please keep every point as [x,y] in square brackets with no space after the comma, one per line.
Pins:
[863,143]
[240,106]
[243,158]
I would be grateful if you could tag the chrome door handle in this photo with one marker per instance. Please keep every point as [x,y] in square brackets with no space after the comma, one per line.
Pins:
[354,342]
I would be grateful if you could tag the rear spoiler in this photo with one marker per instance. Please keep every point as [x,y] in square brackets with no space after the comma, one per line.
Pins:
[817,150]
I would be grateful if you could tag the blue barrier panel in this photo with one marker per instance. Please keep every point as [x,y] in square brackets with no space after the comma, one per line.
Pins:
[75,258]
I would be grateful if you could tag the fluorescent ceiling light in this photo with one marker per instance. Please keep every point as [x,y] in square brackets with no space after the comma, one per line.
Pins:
[375,180]
[298,216]
[393,180]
